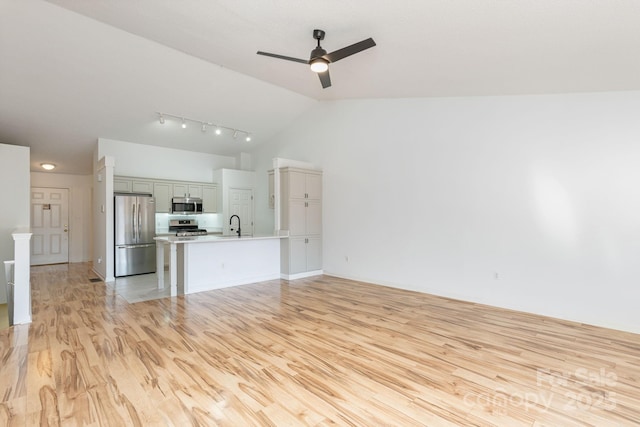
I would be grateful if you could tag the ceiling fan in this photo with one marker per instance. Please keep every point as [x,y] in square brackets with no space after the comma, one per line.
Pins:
[320,59]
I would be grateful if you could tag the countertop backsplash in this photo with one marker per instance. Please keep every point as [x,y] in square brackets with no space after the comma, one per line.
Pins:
[211,222]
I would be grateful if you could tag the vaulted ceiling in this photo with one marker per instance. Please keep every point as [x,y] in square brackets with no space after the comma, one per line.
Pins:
[72,71]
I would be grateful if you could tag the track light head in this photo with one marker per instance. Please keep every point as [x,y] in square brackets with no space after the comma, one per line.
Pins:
[161,119]
[204,127]
[248,138]
[184,124]
[218,131]
[235,134]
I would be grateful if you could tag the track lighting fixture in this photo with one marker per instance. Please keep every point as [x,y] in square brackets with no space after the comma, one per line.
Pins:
[204,125]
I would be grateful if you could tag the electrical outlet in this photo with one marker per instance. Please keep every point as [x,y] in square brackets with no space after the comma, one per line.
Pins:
[100,260]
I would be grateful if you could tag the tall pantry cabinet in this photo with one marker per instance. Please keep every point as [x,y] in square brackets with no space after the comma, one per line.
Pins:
[301,216]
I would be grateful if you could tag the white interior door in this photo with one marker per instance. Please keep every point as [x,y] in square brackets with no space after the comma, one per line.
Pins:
[241,204]
[50,225]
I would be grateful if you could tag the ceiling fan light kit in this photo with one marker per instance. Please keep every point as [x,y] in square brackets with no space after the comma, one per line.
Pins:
[319,59]
[319,65]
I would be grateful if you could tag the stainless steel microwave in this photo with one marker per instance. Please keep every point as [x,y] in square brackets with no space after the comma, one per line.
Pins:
[186,205]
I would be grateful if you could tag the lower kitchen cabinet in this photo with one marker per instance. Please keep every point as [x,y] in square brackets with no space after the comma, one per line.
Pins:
[301,255]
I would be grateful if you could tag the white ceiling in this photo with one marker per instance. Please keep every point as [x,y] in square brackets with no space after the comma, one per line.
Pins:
[66,80]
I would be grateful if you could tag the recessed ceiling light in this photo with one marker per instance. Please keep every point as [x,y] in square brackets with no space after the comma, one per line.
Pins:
[48,166]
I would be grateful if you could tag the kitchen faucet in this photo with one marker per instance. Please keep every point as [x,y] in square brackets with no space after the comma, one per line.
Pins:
[231,219]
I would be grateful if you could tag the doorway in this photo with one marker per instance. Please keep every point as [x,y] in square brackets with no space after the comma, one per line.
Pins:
[49,225]
[241,204]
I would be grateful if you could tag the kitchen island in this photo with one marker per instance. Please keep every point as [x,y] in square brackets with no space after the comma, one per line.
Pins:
[203,263]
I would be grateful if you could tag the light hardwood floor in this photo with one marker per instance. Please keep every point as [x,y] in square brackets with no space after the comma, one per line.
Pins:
[313,352]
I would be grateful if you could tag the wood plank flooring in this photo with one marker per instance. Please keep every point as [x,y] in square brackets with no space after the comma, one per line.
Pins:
[313,352]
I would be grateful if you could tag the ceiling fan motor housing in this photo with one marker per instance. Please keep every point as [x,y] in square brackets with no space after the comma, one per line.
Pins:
[318,35]
[317,53]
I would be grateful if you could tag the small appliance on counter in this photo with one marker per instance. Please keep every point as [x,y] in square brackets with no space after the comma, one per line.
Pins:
[135,228]
[186,227]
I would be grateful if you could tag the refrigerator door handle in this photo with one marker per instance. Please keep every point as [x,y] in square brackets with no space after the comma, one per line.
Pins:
[133,220]
[139,222]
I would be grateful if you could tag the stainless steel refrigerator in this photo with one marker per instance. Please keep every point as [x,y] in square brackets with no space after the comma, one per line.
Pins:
[135,228]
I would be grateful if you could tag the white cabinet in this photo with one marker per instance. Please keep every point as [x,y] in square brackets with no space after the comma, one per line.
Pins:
[301,255]
[303,184]
[163,191]
[301,216]
[209,198]
[186,189]
[132,185]
[138,186]
[121,185]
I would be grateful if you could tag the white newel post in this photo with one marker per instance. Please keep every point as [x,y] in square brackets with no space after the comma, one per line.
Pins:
[22,277]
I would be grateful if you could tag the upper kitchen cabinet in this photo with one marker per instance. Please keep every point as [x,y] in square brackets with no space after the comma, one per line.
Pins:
[163,191]
[209,198]
[123,184]
[303,184]
[187,190]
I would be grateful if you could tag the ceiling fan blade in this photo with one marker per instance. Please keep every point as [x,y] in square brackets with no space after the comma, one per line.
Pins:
[350,50]
[325,79]
[288,58]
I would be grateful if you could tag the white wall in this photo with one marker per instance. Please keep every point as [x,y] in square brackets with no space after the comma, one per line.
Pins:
[15,196]
[440,195]
[80,199]
[103,247]
[147,161]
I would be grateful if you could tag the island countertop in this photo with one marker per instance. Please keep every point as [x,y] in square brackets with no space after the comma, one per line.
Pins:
[214,238]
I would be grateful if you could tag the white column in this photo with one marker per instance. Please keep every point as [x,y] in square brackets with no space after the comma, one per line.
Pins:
[173,269]
[160,263]
[22,277]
